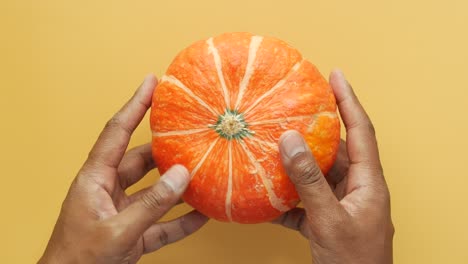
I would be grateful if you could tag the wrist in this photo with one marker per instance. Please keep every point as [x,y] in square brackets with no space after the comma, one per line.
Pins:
[49,259]
[55,255]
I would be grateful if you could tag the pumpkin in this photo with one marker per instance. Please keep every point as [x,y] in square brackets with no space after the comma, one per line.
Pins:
[220,109]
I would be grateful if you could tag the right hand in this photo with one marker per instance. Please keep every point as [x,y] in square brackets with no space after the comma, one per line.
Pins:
[347,219]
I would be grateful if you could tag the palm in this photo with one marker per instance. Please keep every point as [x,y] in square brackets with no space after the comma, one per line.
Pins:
[109,197]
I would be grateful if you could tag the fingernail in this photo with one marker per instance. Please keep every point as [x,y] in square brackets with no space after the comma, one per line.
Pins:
[149,77]
[177,178]
[340,73]
[292,143]
[342,78]
[149,82]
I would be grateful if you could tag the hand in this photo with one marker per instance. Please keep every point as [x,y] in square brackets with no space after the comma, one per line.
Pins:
[98,222]
[347,219]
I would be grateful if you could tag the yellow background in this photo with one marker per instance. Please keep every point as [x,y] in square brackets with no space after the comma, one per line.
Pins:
[67,66]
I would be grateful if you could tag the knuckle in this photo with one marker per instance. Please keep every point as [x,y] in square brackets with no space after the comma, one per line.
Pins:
[109,235]
[370,126]
[392,230]
[113,122]
[299,222]
[163,237]
[185,226]
[386,194]
[379,169]
[374,168]
[115,230]
[283,219]
[386,200]
[382,195]
[161,196]
[90,155]
[91,163]
[305,170]
[110,231]
[116,123]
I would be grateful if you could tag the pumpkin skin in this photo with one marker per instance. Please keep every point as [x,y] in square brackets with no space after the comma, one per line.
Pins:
[220,109]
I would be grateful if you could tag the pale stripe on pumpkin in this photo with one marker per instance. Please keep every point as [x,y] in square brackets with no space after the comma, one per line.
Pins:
[172,79]
[229,189]
[275,201]
[213,50]
[249,69]
[179,132]
[278,85]
[200,163]
[292,118]
[263,142]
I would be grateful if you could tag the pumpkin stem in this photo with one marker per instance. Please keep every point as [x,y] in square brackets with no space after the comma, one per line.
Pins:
[232,125]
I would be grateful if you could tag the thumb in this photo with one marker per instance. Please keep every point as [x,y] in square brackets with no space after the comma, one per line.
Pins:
[153,203]
[302,169]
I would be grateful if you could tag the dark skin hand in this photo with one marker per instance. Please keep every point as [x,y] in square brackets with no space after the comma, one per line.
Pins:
[346,216]
[99,222]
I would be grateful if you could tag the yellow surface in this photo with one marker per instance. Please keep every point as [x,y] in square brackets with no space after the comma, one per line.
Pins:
[67,66]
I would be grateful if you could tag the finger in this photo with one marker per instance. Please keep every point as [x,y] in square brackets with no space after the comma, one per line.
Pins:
[127,200]
[137,195]
[340,168]
[161,234]
[293,219]
[306,175]
[361,140]
[154,203]
[135,164]
[113,140]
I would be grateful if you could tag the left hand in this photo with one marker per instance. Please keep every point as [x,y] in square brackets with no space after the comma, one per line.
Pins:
[98,222]
[347,219]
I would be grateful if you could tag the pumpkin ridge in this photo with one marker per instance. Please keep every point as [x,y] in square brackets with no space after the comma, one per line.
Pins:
[214,51]
[172,79]
[179,132]
[292,118]
[267,143]
[255,42]
[220,110]
[278,85]
[275,201]
[228,203]
[202,160]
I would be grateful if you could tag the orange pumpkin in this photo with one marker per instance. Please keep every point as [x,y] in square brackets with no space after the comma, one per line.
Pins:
[220,109]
